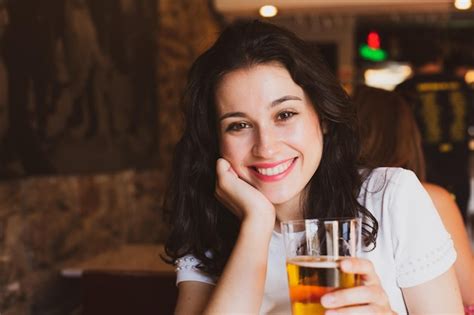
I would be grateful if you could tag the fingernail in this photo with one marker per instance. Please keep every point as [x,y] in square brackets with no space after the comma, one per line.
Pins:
[327,300]
[346,264]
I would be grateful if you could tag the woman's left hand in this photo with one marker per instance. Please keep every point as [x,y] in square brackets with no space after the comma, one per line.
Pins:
[367,298]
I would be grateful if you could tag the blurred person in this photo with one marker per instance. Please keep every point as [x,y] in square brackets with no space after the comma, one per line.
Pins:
[390,137]
[443,109]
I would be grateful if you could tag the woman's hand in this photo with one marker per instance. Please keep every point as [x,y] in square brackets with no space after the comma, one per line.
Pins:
[368,298]
[244,200]
[237,195]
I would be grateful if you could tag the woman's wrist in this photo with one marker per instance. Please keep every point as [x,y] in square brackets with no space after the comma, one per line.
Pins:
[262,221]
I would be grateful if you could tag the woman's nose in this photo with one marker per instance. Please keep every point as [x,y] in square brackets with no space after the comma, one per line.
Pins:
[265,145]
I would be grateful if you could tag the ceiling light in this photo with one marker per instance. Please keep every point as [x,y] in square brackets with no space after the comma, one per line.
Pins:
[268,11]
[469,77]
[463,4]
[387,77]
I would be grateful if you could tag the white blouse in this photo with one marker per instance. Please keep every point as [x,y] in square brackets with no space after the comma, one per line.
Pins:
[412,247]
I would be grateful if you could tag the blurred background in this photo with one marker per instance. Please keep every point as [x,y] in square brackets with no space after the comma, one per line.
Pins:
[90,113]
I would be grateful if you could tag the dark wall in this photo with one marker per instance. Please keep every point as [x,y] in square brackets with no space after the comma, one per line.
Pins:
[79,85]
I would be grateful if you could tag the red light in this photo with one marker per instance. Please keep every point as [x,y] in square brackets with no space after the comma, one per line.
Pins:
[373,40]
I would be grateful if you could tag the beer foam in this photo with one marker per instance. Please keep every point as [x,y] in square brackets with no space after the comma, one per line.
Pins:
[313,263]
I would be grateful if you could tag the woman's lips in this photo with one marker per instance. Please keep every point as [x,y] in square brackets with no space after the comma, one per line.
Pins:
[270,172]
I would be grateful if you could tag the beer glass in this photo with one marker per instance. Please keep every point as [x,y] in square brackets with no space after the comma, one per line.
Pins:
[314,249]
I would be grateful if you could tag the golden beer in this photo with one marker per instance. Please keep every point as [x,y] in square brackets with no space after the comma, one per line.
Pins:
[310,277]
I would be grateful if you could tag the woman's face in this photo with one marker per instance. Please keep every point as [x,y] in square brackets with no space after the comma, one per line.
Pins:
[269,131]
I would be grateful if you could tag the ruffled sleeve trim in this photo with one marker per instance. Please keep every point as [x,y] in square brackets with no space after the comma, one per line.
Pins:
[186,270]
[428,265]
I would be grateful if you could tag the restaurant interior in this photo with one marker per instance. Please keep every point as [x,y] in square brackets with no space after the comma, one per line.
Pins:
[90,113]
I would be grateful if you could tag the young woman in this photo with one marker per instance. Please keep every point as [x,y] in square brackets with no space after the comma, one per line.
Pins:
[390,137]
[271,136]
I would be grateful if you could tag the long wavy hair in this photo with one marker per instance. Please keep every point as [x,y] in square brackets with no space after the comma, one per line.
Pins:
[201,225]
[388,131]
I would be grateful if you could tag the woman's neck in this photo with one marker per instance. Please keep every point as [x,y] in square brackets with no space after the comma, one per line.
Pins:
[290,210]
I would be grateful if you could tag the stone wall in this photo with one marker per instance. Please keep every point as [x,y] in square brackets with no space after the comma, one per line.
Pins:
[50,222]
[186,29]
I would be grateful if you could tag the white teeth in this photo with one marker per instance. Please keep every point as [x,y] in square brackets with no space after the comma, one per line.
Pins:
[275,170]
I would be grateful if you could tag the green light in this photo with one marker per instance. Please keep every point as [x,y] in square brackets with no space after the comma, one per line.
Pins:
[372,54]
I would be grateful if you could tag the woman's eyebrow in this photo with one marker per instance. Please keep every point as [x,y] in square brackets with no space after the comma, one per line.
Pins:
[272,104]
[232,114]
[284,99]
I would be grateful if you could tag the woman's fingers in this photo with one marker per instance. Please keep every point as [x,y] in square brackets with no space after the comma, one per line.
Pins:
[359,309]
[366,298]
[363,267]
[225,176]
[224,169]
[222,165]
[361,295]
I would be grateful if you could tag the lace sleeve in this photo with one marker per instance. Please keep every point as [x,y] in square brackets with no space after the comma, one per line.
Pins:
[186,270]
[437,260]
[423,247]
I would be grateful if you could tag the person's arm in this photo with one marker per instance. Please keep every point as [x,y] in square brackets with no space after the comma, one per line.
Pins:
[240,287]
[431,290]
[438,296]
[452,220]
[193,296]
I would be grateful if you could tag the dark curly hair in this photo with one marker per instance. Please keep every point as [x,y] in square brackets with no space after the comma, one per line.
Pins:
[200,223]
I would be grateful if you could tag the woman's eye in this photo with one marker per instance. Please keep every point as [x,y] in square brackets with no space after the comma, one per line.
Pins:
[237,126]
[285,115]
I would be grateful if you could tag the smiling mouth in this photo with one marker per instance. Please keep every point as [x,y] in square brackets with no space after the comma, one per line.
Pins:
[273,171]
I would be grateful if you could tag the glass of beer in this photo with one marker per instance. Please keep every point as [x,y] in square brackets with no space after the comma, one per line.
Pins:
[314,249]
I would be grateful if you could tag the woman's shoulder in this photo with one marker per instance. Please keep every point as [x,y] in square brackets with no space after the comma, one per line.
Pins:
[387,183]
[388,176]
[392,171]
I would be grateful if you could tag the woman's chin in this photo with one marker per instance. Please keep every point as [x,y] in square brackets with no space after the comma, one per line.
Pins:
[279,199]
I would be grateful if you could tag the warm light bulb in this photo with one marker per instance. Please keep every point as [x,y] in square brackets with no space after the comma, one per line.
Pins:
[268,11]
[463,4]
[469,77]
